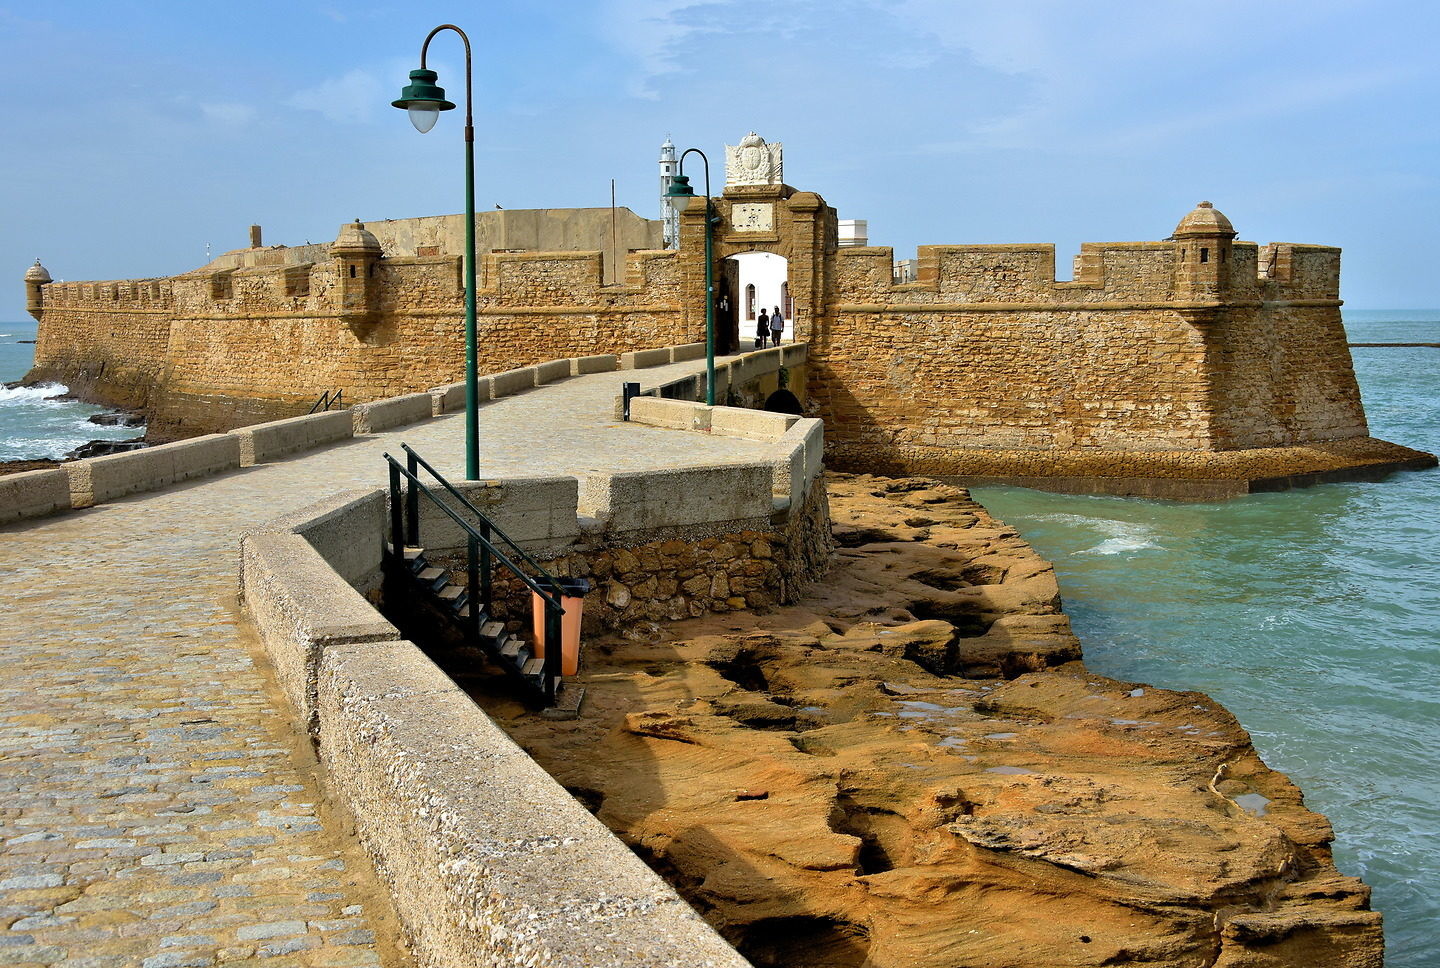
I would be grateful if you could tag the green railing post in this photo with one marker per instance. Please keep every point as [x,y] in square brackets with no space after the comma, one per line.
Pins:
[412,501]
[397,524]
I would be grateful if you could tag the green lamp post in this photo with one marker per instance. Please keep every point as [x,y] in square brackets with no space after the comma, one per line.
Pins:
[681,195]
[424,100]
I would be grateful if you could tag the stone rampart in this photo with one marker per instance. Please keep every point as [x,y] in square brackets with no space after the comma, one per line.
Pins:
[218,348]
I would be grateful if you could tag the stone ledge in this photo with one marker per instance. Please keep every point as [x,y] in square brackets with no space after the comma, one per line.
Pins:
[262,443]
[34,494]
[1176,475]
[301,606]
[392,412]
[99,479]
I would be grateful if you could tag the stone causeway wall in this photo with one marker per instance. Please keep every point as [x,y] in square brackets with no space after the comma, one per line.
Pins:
[490,860]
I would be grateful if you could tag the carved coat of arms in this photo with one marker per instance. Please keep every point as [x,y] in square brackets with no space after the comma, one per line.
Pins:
[754,162]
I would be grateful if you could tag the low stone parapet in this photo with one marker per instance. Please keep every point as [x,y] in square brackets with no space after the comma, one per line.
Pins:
[99,479]
[639,359]
[551,371]
[301,606]
[602,363]
[511,381]
[687,351]
[33,494]
[261,443]
[697,500]
[380,415]
[488,859]
[451,397]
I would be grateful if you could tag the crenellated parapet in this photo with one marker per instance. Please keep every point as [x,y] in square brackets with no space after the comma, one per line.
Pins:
[1197,269]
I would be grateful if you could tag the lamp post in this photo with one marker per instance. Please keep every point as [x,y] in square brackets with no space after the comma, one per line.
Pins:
[681,195]
[424,100]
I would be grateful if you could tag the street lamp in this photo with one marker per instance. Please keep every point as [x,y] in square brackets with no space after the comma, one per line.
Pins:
[424,100]
[681,195]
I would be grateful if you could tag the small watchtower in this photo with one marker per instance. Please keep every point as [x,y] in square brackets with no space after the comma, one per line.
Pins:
[357,256]
[36,278]
[1203,242]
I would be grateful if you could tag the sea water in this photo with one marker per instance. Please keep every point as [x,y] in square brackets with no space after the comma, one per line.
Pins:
[1312,615]
[33,427]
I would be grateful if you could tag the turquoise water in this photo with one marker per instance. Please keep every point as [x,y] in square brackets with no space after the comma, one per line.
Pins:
[1311,615]
[32,427]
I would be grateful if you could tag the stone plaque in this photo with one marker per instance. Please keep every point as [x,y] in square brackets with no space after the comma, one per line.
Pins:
[752,217]
[753,162]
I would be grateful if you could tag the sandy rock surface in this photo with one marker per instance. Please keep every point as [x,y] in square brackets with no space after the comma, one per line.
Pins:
[910,768]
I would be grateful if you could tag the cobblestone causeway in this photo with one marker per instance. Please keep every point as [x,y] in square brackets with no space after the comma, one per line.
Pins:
[156,808]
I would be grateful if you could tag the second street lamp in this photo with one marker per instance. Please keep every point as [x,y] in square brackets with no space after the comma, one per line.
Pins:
[681,195]
[424,100]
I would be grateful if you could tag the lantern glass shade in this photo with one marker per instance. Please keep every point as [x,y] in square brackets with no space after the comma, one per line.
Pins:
[423,115]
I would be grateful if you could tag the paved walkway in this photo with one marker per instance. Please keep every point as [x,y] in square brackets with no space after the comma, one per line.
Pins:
[156,807]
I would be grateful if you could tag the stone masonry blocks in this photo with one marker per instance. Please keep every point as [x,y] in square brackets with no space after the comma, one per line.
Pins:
[511,381]
[261,443]
[602,363]
[346,529]
[539,513]
[99,479]
[393,412]
[674,414]
[34,494]
[639,359]
[681,497]
[687,351]
[551,371]
[751,424]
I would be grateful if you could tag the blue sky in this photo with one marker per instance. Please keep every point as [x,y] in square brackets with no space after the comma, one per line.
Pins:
[136,133]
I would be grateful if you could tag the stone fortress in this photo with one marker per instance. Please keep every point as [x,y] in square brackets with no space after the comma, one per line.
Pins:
[1198,366]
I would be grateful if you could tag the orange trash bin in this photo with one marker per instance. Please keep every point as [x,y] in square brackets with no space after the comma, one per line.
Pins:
[571,592]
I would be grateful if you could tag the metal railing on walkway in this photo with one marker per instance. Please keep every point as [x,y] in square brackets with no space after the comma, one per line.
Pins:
[329,399]
[482,555]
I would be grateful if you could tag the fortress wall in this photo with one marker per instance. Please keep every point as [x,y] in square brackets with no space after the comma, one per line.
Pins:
[956,362]
[1013,380]
[986,351]
[1283,376]
[105,341]
[218,349]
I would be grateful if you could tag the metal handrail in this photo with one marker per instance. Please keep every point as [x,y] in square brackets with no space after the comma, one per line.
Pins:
[475,541]
[485,520]
[470,530]
[327,401]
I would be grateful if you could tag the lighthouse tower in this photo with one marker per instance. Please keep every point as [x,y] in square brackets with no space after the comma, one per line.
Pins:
[669,168]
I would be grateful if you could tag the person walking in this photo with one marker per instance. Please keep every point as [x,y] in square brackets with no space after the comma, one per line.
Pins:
[762,330]
[777,326]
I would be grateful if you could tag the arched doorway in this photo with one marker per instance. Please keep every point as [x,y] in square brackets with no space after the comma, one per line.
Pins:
[760,281]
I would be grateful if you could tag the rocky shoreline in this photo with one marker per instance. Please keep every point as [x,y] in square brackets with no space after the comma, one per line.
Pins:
[912,767]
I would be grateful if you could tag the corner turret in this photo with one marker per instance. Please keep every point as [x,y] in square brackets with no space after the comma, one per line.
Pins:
[36,278]
[357,256]
[1202,255]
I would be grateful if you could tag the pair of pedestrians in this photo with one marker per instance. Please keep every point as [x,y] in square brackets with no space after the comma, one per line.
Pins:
[769,326]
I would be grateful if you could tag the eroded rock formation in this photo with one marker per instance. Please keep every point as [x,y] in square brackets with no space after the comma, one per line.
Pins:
[911,768]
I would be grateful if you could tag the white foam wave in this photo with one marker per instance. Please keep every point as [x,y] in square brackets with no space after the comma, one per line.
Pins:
[32,394]
[1124,538]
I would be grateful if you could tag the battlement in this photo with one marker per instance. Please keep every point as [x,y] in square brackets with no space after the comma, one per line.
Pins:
[1105,273]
